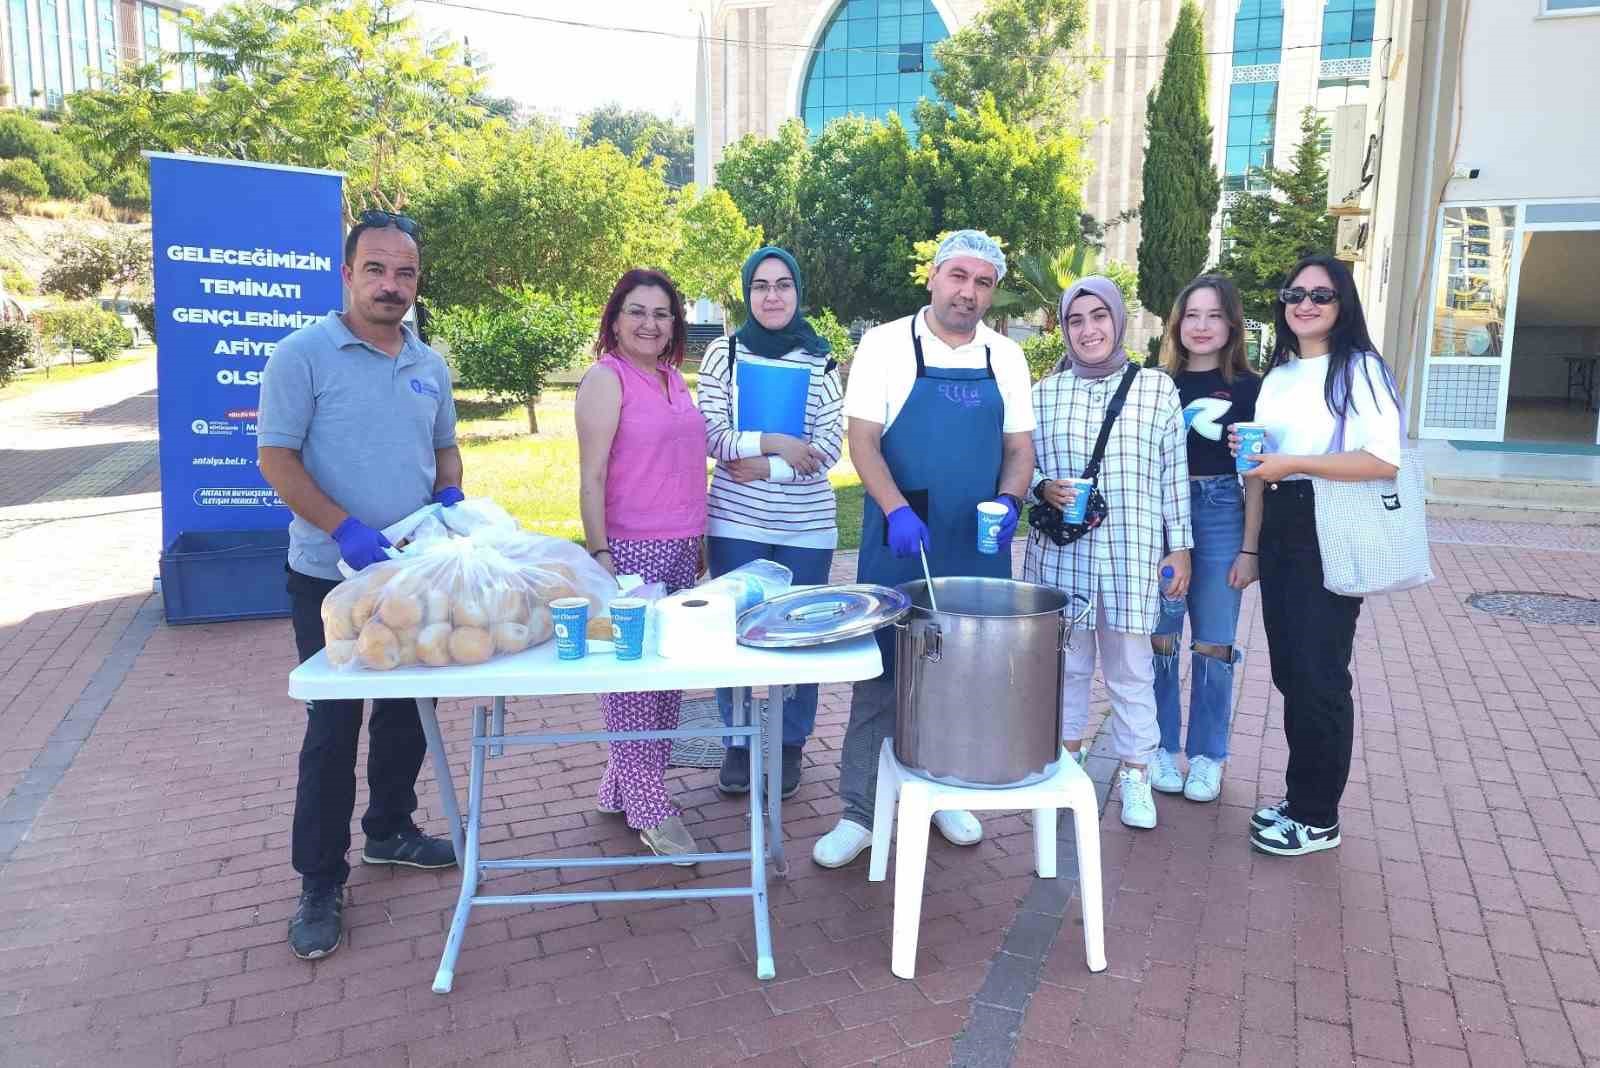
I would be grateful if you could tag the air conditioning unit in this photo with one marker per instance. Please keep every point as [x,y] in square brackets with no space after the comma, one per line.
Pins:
[1347,160]
[1350,241]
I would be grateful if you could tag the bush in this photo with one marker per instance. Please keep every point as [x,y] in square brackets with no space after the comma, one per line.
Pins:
[509,348]
[22,180]
[87,328]
[827,324]
[86,264]
[145,312]
[129,189]
[24,137]
[15,281]
[1043,351]
[17,345]
[66,175]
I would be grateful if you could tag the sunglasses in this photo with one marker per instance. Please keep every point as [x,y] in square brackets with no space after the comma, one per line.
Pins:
[385,219]
[1319,295]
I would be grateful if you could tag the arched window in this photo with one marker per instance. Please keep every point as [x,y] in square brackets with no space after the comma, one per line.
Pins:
[873,57]
[1253,96]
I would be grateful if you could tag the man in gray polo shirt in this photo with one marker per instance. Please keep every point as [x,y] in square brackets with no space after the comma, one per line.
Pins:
[357,430]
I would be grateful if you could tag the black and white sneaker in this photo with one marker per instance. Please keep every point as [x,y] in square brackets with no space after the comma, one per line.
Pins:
[410,849]
[1266,817]
[1291,838]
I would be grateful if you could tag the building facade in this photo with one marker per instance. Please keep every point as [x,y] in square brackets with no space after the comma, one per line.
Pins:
[50,49]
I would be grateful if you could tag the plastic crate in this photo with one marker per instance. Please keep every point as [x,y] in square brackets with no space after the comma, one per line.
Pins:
[216,576]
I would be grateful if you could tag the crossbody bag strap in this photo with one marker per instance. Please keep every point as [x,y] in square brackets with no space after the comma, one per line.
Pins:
[1114,409]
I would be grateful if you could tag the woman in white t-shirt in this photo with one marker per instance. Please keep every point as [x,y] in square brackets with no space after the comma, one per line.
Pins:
[1331,411]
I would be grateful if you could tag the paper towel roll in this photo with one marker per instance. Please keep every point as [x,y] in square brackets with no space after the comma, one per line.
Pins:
[694,625]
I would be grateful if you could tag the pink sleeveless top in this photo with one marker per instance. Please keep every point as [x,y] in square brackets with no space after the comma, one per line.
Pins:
[656,474]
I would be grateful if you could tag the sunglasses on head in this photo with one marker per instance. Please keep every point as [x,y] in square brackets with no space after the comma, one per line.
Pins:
[1319,295]
[385,219]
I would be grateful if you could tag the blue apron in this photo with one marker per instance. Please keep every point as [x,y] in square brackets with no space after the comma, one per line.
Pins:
[944,451]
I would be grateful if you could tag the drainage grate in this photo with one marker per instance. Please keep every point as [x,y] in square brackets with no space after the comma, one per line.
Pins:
[1540,607]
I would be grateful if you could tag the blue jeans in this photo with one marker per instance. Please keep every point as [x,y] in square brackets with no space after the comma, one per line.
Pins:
[810,567]
[1217,517]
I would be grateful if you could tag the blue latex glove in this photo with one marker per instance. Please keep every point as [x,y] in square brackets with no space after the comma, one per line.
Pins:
[452,495]
[907,532]
[359,544]
[1008,525]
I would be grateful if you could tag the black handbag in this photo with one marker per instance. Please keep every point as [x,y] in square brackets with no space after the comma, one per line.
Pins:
[1046,518]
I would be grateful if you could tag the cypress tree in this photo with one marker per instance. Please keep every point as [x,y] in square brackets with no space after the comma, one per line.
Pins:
[1180,183]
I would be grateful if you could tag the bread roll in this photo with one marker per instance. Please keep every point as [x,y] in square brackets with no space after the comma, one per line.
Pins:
[510,637]
[365,607]
[400,610]
[507,605]
[599,627]
[378,647]
[408,645]
[470,645]
[468,610]
[433,645]
[341,653]
[435,607]
[541,628]
[336,624]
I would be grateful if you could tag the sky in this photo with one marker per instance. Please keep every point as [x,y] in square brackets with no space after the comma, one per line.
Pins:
[566,71]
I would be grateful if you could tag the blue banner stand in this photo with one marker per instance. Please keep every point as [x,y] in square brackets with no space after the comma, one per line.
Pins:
[245,254]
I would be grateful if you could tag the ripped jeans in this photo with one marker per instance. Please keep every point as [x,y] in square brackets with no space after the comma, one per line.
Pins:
[1217,516]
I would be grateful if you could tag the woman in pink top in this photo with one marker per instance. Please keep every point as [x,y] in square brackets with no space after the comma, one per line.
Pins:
[642,456]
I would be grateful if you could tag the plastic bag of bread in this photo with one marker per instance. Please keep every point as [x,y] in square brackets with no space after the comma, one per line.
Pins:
[446,602]
[558,568]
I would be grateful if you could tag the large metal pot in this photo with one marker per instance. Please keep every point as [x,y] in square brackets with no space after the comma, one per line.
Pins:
[978,682]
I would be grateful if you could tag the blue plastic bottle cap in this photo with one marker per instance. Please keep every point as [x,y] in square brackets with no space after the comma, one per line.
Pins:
[1167,571]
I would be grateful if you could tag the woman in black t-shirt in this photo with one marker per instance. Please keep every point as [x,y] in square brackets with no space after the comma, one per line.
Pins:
[1203,350]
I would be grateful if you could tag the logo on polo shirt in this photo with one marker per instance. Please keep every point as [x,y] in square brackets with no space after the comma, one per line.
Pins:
[423,388]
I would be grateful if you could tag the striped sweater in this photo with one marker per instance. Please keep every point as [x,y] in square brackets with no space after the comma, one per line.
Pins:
[786,509]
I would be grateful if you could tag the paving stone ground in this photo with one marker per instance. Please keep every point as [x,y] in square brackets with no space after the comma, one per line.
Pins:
[147,904]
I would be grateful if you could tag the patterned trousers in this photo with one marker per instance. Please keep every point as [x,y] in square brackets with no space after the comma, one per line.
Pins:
[635,778]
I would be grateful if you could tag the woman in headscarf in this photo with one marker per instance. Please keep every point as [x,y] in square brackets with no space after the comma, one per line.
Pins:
[770,498]
[1117,564]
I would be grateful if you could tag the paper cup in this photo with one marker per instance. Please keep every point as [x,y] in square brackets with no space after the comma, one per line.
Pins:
[1079,508]
[571,618]
[1252,443]
[627,626]
[990,518]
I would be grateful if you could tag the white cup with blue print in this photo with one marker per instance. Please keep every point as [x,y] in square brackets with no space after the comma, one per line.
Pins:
[1252,444]
[991,517]
[1078,510]
[571,618]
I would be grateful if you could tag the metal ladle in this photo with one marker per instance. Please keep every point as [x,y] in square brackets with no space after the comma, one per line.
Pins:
[923,552]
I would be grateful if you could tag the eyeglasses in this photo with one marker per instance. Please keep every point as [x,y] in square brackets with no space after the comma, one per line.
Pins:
[783,286]
[1319,295]
[382,220]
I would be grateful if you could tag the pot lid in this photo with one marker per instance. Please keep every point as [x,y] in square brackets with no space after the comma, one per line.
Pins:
[821,614]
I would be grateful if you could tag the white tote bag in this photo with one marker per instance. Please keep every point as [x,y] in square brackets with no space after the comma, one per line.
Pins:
[1374,535]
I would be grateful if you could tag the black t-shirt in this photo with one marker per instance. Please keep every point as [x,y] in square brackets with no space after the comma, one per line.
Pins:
[1209,405]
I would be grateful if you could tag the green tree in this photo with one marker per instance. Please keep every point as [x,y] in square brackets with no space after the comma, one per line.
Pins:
[509,348]
[18,345]
[824,322]
[85,327]
[21,180]
[861,210]
[714,242]
[86,264]
[763,177]
[1015,51]
[643,135]
[543,211]
[1180,183]
[1265,233]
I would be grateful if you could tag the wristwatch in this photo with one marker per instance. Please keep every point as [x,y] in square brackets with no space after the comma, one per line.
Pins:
[1038,490]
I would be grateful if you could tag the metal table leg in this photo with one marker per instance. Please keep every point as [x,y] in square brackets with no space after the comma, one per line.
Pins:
[444,978]
[774,746]
[426,712]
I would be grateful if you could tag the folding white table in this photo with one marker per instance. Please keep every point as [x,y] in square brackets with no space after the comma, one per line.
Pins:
[538,672]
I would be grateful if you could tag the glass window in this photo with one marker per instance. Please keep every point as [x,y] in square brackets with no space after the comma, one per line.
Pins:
[107,19]
[1347,29]
[1258,32]
[22,84]
[50,35]
[150,24]
[1469,308]
[1572,5]
[78,31]
[1252,116]
[874,56]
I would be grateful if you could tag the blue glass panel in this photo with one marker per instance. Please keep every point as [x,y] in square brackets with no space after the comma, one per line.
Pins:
[1361,28]
[1237,160]
[50,31]
[829,114]
[1244,34]
[863,9]
[888,59]
[835,64]
[813,93]
[861,98]
[888,88]
[889,31]
[21,55]
[1261,130]
[863,33]
[837,35]
[1241,99]
[814,120]
[1271,33]
[1341,5]
[933,27]
[863,64]
[888,8]
[1335,51]
[1336,26]
[833,92]
[910,29]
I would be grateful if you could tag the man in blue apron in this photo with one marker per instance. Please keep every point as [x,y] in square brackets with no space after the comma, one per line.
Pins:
[940,419]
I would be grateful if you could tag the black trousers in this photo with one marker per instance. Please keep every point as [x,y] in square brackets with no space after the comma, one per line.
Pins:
[326,796]
[1311,635]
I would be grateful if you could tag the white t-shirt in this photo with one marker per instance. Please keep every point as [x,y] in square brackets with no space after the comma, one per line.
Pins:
[885,367]
[1294,409]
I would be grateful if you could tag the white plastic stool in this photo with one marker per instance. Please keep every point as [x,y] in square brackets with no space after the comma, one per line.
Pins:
[920,798]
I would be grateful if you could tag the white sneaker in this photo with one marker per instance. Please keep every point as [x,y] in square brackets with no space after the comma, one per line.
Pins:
[1205,779]
[1138,803]
[1081,757]
[959,827]
[1164,773]
[841,845]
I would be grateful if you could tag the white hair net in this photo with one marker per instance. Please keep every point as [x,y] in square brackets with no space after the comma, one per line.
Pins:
[974,243]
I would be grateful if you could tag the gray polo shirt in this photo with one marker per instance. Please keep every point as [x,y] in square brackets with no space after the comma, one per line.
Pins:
[365,424]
